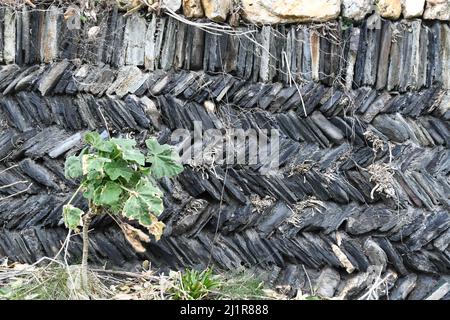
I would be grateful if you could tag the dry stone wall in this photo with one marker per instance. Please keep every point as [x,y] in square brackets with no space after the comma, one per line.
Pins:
[362,108]
[407,55]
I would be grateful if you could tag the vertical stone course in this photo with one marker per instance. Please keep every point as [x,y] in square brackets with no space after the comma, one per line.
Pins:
[403,55]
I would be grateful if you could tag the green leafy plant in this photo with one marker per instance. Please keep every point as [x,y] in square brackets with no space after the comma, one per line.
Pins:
[118,179]
[346,23]
[195,285]
[83,18]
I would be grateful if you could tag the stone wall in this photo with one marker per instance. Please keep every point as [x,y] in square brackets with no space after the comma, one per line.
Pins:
[363,111]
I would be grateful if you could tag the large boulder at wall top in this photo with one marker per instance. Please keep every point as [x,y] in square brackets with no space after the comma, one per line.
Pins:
[390,9]
[193,8]
[437,10]
[290,11]
[217,10]
[412,8]
[356,9]
[173,5]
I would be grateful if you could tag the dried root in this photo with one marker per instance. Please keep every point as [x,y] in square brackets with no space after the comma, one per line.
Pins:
[382,175]
[377,143]
[299,207]
[261,204]
[301,168]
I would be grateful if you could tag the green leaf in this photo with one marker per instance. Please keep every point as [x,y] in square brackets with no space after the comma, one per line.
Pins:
[92,138]
[95,140]
[144,201]
[116,208]
[96,195]
[128,150]
[134,155]
[117,169]
[93,165]
[109,193]
[89,192]
[155,148]
[72,167]
[146,171]
[134,207]
[145,219]
[164,161]
[72,216]
[151,195]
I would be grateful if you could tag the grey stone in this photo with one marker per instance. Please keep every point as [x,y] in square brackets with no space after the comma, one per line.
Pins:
[49,45]
[351,58]
[445,56]
[330,130]
[403,287]
[52,76]
[9,36]
[395,58]
[129,79]
[375,254]
[134,40]
[383,59]
[356,9]
[375,107]
[150,49]
[391,128]
[440,291]
[66,145]
[327,283]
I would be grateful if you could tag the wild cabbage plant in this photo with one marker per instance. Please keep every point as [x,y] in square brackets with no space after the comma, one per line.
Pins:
[118,179]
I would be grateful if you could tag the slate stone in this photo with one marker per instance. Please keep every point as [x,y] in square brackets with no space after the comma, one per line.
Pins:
[403,287]
[52,76]
[391,128]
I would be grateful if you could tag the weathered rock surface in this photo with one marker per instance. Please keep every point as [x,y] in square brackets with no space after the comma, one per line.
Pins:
[440,291]
[193,8]
[412,8]
[356,9]
[391,9]
[327,283]
[49,49]
[134,41]
[437,10]
[282,11]
[9,36]
[217,10]
[403,287]
[173,5]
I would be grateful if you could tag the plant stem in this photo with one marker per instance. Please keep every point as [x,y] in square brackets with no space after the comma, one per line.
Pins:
[84,260]
[75,193]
